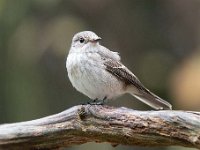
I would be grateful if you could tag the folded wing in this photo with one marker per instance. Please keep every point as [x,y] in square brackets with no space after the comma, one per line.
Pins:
[138,90]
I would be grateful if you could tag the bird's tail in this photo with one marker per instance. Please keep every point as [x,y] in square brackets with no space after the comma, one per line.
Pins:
[152,100]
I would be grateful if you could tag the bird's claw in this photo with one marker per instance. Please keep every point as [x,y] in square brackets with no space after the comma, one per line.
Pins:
[96,102]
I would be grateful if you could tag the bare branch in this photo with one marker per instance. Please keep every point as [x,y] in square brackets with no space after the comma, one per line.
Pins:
[87,123]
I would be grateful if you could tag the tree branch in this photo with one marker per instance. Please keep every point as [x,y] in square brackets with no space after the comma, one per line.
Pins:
[87,123]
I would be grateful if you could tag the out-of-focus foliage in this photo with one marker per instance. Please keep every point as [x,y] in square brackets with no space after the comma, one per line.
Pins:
[157,40]
[186,83]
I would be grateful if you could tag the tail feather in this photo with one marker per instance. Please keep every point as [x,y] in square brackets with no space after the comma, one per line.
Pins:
[152,100]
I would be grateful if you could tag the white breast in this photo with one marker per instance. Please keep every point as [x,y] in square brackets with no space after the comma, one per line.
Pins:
[88,75]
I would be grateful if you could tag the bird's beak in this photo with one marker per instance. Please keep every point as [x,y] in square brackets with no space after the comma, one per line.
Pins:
[96,40]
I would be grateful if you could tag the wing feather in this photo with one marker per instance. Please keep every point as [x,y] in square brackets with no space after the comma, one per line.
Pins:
[124,74]
[119,70]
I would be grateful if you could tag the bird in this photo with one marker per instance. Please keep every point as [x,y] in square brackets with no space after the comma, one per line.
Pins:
[98,73]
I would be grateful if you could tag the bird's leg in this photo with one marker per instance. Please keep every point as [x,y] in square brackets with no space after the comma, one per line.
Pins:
[104,99]
[96,101]
[99,102]
[89,102]
[93,102]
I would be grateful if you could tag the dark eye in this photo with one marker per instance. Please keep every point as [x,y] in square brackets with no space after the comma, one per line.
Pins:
[81,40]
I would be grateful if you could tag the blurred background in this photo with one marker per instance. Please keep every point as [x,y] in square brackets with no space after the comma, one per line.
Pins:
[158,40]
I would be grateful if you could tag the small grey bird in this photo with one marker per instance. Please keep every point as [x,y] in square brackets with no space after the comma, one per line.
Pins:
[98,72]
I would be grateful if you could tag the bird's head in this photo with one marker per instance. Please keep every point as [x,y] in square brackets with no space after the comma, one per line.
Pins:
[85,38]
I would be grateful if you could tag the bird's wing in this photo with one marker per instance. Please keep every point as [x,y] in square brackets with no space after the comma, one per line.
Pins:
[113,65]
[117,69]
[124,74]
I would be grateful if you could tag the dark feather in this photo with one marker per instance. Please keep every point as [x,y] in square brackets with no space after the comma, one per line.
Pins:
[120,71]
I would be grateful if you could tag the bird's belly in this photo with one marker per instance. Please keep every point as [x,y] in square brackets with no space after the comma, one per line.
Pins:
[94,81]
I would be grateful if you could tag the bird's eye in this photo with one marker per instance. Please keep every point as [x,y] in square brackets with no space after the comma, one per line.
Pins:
[81,40]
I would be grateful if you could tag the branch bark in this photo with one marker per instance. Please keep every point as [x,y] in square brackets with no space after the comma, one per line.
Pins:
[96,123]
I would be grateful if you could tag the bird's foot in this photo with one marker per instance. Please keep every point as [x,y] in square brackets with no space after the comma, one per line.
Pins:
[96,102]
